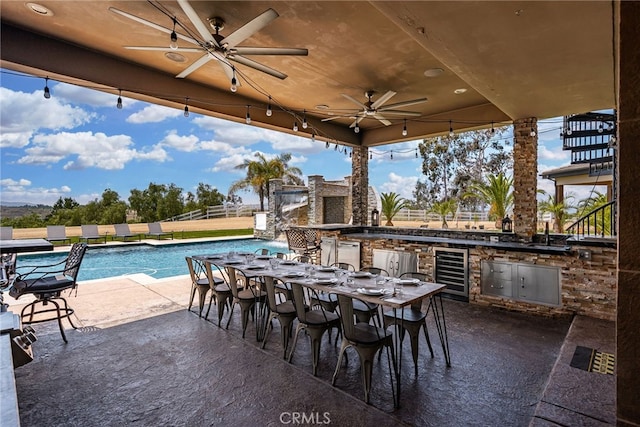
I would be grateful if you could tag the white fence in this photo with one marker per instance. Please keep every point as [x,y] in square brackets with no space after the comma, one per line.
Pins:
[219,211]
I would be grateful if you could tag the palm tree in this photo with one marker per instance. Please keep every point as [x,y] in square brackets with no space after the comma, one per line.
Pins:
[260,171]
[391,205]
[444,208]
[497,193]
[561,211]
[602,221]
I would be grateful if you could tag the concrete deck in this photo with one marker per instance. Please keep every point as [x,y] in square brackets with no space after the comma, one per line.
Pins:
[140,358]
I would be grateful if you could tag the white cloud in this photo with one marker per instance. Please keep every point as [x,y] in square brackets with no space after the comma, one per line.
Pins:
[87,150]
[153,114]
[187,143]
[23,114]
[22,191]
[402,185]
[556,154]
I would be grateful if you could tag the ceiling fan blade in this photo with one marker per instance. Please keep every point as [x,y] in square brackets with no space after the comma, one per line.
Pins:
[269,51]
[248,29]
[257,66]
[382,119]
[334,118]
[355,101]
[401,113]
[152,25]
[191,68]
[402,104]
[384,98]
[356,121]
[166,49]
[202,29]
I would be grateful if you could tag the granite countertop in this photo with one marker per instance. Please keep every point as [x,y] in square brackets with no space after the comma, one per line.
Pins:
[514,246]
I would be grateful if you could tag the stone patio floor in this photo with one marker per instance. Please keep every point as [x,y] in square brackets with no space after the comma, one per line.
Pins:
[140,358]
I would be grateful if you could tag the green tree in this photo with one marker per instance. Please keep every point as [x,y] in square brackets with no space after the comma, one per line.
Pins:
[157,201]
[260,171]
[496,192]
[208,196]
[443,208]
[561,211]
[451,163]
[392,203]
[602,222]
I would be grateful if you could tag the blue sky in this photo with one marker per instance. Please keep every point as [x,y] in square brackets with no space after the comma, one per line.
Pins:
[77,144]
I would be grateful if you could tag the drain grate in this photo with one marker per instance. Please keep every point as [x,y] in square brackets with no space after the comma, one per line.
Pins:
[591,360]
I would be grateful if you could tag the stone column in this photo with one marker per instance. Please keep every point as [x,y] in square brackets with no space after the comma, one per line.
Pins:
[360,184]
[316,201]
[628,194]
[525,177]
[274,227]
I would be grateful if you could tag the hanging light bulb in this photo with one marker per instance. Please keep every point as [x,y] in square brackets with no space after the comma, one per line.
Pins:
[351,154]
[248,117]
[269,111]
[391,154]
[335,148]
[234,82]
[174,37]
[493,131]
[370,155]
[313,136]
[119,102]
[404,128]
[47,93]
[346,151]
[569,131]
[295,126]
[451,129]
[356,129]
[186,107]
[416,153]
[304,119]
[533,132]
[600,128]
[326,145]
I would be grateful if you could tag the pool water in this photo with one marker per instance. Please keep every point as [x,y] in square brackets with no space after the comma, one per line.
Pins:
[155,261]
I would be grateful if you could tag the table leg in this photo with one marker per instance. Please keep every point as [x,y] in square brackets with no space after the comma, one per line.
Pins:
[441,325]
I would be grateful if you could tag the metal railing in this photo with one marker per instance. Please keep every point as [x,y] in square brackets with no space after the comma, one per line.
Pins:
[600,222]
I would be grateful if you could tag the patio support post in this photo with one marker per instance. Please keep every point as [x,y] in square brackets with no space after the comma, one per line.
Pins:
[525,177]
[316,201]
[273,228]
[628,317]
[360,181]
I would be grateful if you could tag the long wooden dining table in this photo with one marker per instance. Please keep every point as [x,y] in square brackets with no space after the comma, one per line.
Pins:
[360,285]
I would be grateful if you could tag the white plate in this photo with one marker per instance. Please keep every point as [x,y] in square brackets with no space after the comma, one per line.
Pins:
[289,263]
[326,269]
[371,291]
[255,267]
[232,262]
[361,274]
[326,281]
[412,281]
[294,274]
[264,257]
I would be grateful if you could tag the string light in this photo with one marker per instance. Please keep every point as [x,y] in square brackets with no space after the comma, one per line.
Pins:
[326,145]
[186,107]
[600,128]
[248,117]
[269,110]
[356,129]
[335,148]
[295,126]
[47,93]
[404,128]
[493,131]
[533,132]
[119,102]
[391,154]
[313,136]
[234,81]
[304,119]
[370,155]
[174,37]
[416,153]
[451,129]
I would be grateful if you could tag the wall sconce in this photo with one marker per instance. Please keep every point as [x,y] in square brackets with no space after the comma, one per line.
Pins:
[375,218]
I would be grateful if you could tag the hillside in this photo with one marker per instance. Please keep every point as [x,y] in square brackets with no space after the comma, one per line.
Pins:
[17,211]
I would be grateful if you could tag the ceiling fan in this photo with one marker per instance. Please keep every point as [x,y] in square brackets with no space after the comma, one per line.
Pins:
[223,49]
[375,109]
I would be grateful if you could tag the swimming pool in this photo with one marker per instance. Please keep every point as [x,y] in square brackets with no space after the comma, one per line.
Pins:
[155,261]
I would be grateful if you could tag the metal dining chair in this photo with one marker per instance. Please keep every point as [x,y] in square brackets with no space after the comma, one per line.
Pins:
[285,312]
[313,322]
[199,282]
[247,298]
[220,290]
[367,340]
[410,320]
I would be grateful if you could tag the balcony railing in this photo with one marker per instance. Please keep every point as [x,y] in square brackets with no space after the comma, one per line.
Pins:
[600,222]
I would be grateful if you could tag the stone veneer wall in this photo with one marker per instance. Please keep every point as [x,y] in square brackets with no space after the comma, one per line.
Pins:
[525,177]
[360,188]
[587,287]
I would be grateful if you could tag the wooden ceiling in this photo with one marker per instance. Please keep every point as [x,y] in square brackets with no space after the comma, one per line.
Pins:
[514,59]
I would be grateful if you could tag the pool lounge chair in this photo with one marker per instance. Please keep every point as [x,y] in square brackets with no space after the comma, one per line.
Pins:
[155,230]
[123,232]
[90,234]
[6,233]
[57,233]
